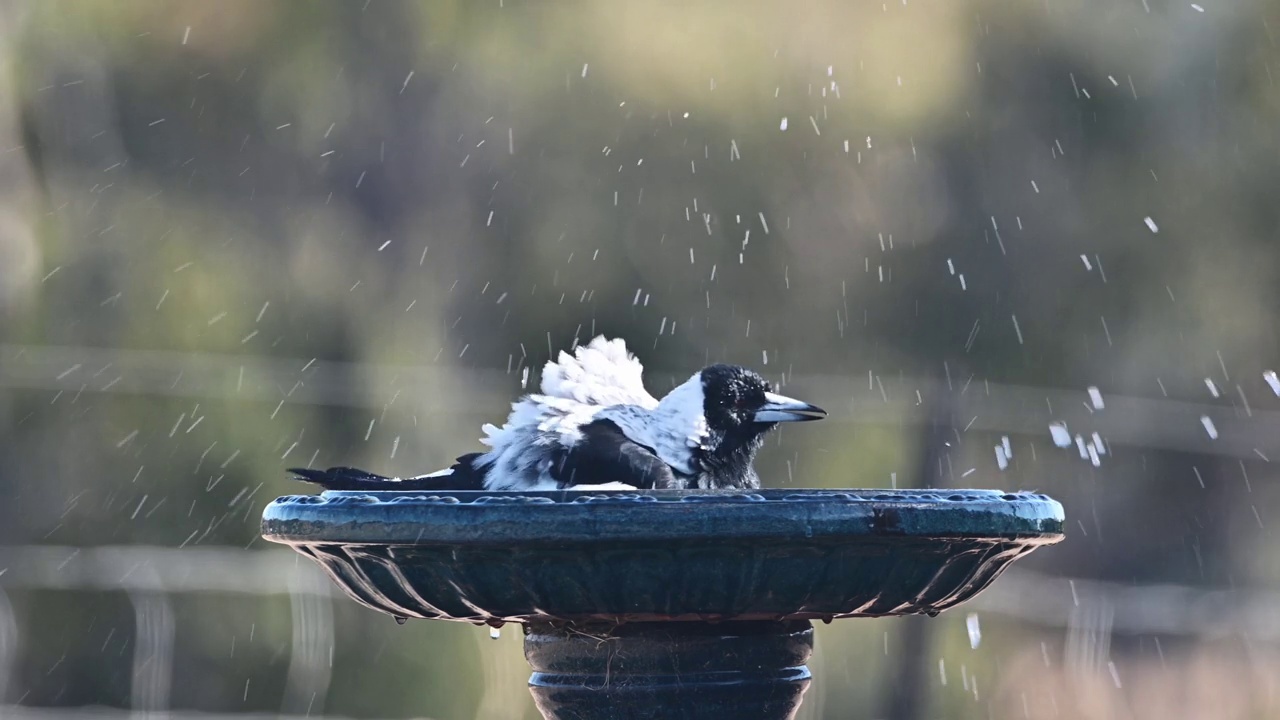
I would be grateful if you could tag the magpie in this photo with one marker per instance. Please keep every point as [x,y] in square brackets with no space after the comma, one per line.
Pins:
[595,427]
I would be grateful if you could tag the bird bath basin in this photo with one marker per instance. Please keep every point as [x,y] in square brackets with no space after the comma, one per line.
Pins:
[670,603]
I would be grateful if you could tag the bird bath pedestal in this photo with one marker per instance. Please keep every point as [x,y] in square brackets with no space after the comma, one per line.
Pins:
[664,604]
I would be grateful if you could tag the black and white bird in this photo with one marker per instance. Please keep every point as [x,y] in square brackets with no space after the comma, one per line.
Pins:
[594,426]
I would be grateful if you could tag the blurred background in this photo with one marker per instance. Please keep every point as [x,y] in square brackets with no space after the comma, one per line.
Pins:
[239,236]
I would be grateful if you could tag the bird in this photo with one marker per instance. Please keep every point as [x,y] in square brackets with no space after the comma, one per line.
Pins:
[594,426]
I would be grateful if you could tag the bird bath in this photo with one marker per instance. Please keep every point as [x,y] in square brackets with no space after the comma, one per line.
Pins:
[671,603]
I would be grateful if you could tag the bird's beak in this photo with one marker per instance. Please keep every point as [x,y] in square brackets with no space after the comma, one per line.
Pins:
[778,408]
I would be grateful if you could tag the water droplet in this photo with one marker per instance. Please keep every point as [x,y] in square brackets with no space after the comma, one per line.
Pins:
[975,632]
[1209,427]
[1061,436]
[1095,397]
[1273,381]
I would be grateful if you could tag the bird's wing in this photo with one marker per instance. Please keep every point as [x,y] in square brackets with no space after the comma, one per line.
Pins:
[605,455]
[526,447]
[674,432]
[542,427]
[602,372]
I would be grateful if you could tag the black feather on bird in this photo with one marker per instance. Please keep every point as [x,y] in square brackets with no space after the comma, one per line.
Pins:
[594,426]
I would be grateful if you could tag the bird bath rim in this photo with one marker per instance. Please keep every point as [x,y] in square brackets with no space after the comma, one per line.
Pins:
[399,517]
[579,556]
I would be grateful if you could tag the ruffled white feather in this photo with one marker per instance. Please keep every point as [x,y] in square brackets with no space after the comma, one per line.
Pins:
[602,372]
[602,380]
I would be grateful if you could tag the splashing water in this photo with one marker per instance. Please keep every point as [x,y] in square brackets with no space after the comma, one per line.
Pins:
[1209,427]
[1061,435]
[1273,381]
[1095,397]
[975,631]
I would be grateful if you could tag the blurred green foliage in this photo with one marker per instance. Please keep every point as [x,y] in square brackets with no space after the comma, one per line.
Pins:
[351,192]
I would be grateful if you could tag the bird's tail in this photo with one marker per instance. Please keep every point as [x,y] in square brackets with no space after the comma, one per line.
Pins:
[345,478]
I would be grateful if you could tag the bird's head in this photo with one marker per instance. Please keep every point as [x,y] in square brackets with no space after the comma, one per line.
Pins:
[738,407]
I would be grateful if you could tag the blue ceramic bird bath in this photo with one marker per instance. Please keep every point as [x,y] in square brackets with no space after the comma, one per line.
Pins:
[665,604]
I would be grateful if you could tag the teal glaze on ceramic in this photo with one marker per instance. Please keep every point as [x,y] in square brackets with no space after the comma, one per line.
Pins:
[726,555]
[670,671]
[665,604]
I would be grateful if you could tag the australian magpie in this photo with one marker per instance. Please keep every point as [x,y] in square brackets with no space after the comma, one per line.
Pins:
[594,426]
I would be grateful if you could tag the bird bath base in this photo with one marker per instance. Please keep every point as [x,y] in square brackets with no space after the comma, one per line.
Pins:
[666,671]
[671,603]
